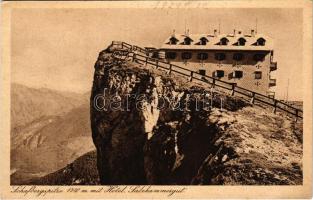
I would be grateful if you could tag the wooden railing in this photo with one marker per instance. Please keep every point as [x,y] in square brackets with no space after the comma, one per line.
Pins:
[140,55]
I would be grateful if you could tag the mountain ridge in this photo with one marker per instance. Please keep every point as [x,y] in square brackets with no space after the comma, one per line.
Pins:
[49,138]
[28,104]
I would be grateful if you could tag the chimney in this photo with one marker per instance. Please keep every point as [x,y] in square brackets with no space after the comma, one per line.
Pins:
[187,33]
[215,32]
[234,32]
[173,34]
[252,33]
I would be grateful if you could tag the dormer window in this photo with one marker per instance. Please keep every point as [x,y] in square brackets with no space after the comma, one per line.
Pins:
[224,41]
[241,42]
[173,40]
[260,42]
[187,41]
[203,41]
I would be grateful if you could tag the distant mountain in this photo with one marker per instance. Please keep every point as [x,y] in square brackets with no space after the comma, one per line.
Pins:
[83,171]
[50,140]
[28,104]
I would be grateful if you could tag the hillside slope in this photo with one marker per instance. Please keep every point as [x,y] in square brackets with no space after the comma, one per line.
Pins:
[83,171]
[28,104]
[51,141]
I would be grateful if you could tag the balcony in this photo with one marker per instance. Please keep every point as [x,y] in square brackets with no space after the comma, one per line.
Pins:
[273,66]
[272,82]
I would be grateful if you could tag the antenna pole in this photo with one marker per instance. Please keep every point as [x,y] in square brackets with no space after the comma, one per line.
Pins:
[185,27]
[256,25]
[219,26]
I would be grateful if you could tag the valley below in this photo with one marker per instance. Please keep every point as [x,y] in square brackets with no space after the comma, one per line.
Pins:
[57,132]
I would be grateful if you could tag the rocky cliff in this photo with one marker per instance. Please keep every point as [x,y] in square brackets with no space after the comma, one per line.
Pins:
[152,128]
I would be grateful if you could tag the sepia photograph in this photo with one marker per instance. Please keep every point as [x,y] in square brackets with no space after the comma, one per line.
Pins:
[133,96]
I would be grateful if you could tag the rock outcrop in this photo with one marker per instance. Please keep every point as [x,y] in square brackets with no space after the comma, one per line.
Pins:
[82,171]
[152,128]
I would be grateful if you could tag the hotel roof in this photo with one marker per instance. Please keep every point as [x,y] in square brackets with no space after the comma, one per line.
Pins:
[213,42]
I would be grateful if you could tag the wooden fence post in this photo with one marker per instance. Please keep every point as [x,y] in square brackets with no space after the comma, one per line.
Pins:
[297,113]
[170,69]
[213,83]
[191,76]
[233,89]
[146,61]
[275,106]
[252,98]
[134,57]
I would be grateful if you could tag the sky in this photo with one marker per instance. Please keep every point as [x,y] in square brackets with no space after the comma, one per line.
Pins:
[57,48]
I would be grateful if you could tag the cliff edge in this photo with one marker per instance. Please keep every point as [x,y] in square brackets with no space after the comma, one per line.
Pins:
[153,128]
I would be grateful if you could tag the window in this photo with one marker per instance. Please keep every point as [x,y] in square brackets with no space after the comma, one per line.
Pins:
[260,42]
[237,74]
[187,41]
[170,55]
[203,41]
[224,41]
[238,56]
[202,72]
[186,55]
[272,82]
[155,55]
[241,42]
[258,75]
[173,40]
[220,56]
[202,56]
[259,57]
[219,73]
